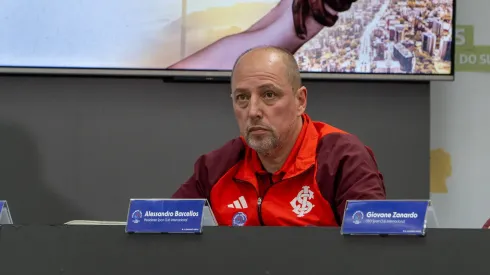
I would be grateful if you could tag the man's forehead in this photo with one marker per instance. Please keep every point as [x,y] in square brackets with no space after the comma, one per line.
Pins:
[260,67]
[260,58]
[265,61]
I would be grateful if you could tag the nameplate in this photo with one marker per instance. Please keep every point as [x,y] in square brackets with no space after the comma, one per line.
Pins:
[385,217]
[166,215]
[5,217]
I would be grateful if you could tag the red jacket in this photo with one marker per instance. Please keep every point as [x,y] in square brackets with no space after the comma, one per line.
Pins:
[487,225]
[325,168]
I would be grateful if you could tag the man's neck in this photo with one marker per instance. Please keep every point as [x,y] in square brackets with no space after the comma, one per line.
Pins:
[273,161]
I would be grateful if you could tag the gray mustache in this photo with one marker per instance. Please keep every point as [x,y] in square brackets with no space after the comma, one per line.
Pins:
[249,128]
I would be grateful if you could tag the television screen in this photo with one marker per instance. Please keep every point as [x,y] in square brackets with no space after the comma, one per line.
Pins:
[342,39]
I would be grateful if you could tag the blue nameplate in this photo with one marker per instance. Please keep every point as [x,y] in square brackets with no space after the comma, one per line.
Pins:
[5,217]
[165,216]
[385,217]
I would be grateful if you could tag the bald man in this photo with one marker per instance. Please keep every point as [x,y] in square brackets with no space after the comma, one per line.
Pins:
[284,169]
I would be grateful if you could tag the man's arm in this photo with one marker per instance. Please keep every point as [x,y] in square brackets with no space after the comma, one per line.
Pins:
[347,170]
[270,17]
[208,169]
[197,186]
[222,54]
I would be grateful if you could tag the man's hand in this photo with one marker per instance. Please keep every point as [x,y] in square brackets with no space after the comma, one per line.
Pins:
[323,11]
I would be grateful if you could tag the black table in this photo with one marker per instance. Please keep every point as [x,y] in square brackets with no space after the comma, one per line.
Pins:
[90,250]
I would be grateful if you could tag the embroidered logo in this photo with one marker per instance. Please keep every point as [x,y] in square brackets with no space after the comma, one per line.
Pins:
[241,203]
[301,203]
[239,219]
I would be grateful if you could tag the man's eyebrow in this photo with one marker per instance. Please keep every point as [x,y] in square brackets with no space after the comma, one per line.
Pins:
[262,87]
[240,90]
[268,87]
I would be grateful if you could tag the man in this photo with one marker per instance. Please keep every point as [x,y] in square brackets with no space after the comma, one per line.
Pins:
[285,169]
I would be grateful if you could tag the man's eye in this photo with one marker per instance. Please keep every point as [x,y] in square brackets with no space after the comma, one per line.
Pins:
[269,95]
[241,97]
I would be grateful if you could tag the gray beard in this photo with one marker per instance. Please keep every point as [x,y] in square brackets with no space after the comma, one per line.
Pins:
[264,145]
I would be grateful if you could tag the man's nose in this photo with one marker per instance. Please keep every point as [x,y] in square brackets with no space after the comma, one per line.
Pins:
[255,107]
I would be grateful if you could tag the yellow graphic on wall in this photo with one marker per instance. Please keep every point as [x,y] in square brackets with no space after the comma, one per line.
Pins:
[440,170]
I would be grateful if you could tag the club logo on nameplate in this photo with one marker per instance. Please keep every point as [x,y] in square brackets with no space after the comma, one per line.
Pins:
[385,217]
[165,216]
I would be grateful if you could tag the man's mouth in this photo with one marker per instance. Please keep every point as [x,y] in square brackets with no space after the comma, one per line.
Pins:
[257,129]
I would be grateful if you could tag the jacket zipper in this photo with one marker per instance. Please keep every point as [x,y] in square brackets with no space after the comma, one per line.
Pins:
[260,199]
[259,210]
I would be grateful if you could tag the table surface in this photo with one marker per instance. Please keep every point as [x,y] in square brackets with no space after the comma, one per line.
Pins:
[90,250]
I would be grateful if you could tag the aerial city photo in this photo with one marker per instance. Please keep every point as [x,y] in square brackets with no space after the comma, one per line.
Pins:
[384,36]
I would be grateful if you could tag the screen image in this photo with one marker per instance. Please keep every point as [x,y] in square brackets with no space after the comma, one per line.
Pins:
[329,38]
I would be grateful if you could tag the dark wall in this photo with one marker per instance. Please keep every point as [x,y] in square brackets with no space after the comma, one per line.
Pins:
[79,148]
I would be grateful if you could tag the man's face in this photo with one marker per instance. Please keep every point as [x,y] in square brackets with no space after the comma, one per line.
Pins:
[266,106]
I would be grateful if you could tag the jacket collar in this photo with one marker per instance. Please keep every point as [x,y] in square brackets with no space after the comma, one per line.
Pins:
[300,159]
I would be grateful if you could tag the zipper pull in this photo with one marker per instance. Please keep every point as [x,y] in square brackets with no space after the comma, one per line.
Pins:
[259,210]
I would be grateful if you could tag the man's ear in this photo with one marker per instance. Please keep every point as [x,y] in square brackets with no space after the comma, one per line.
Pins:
[301,99]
